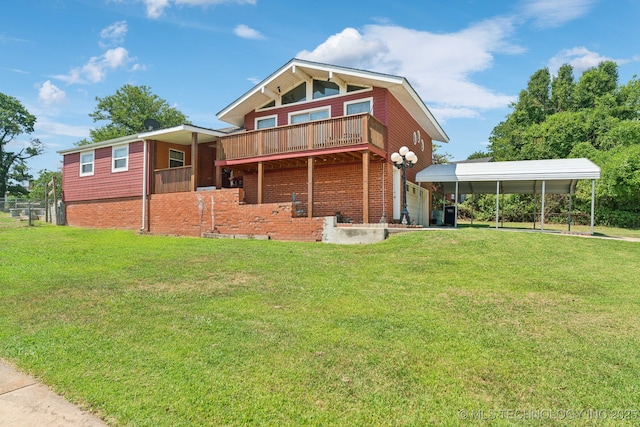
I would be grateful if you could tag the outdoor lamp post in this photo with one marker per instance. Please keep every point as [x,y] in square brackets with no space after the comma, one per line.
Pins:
[403,160]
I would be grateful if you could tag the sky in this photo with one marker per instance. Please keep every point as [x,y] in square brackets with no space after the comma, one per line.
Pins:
[467,59]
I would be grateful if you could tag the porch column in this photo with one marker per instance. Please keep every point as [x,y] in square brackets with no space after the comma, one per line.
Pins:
[310,171]
[194,161]
[218,176]
[455,218]
[365,187]
[260,181]
[152,172]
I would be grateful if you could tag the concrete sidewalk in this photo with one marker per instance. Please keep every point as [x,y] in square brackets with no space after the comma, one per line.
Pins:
[27,402]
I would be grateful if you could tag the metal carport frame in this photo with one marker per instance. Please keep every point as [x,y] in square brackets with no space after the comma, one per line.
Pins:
[555,176]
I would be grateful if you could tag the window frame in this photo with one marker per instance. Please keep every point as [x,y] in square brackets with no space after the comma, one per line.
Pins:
[124,168]
[184,158]
[257,119]
[326,108]
[92,163]
[358,101]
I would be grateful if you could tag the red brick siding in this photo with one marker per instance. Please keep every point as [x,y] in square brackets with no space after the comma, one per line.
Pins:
[189,214]
[103,184]
[124,214]
[337,188]
[400,129]
[336,103]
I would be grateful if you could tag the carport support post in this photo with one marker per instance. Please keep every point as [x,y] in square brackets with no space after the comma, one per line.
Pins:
[455,218]
[593,201]
[570,203]
[497,202]
[542,206]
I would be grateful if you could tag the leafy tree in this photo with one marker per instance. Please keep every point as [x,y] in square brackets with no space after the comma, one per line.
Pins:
[478,155]
[562,87]
[595,83]
[15,120]
[126,111]
[38,186]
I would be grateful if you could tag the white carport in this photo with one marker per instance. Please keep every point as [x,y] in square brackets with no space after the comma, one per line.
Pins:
[555,176]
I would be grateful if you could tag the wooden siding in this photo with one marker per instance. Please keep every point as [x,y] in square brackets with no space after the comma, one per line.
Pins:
[162,153]
[173,180]
[103,184]
[336,103]
[316,135]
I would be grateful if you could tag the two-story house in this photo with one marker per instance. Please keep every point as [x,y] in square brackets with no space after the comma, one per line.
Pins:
[308,142]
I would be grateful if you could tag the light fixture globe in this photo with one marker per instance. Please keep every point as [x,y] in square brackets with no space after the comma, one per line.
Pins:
[396,158]
[411,156]
[403,151]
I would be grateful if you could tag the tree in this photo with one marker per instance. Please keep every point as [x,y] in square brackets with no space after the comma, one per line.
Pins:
[15,120]
[595,83]
[478,155]
[562,87]
[127,109]
[39,185]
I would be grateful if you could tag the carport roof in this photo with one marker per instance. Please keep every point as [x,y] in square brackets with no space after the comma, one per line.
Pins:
[520,177]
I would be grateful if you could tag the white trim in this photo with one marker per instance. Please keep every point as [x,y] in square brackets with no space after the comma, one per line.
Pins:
[309,111]
[358,101]
[184,157]
[93,163]
[257,119]
[114,158]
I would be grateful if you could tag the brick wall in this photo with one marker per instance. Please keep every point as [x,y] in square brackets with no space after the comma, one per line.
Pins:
[190,214]
[125,214]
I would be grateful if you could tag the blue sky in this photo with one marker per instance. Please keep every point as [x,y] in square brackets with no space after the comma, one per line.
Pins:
[468,59]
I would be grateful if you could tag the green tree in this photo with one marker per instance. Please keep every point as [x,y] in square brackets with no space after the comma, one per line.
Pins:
[15,120]
[562,87]
[126,111]
[478,155]
[38,186]
[596,83]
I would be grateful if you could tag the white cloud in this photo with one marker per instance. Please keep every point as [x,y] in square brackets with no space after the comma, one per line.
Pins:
[114,34]
[155,8]
[95,70]
[247,32]
[50,94]
[554,13]
[581,59]
[439,66]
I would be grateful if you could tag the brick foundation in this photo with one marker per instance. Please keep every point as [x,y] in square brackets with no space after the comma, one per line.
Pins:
[190,214]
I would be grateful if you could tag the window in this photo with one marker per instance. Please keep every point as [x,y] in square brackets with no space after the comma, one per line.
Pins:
[323,88]
[86,163]
[297,94]
[359,106]
[353,88]
[120,158]
[307,116]
[176,158]
[266,122]
[269,104]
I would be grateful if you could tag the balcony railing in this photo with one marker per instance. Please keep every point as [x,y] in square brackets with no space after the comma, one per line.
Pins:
[330,133]
[173,180]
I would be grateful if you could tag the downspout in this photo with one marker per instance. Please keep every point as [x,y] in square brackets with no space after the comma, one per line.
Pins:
[145,178]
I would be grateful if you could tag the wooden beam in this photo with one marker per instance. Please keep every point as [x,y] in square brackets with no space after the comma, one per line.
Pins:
[337,80]
[260,181]
[302,74]
[194,161]
[365,187]
[268,92]
[310,187]
[218,182]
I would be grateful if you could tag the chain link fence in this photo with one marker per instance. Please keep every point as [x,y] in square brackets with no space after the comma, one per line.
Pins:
[33,210]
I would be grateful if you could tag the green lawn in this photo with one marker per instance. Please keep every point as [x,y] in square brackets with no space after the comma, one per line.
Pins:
[428,328]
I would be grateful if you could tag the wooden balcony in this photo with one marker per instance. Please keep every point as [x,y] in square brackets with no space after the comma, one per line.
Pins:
[362,129]
[173,180]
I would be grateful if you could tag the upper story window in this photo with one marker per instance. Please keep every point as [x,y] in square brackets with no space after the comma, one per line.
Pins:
[322,89]
[86,163]
[353,88]
[358,106]
[307,116]
[120,158]
[297,94]
[176,158]
[266,122]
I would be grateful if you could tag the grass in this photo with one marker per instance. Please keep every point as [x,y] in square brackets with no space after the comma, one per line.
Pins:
[599,230]
[151,330]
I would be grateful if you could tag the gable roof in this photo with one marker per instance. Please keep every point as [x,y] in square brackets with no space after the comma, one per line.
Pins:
[521,177]
[297,70]
[177,134]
